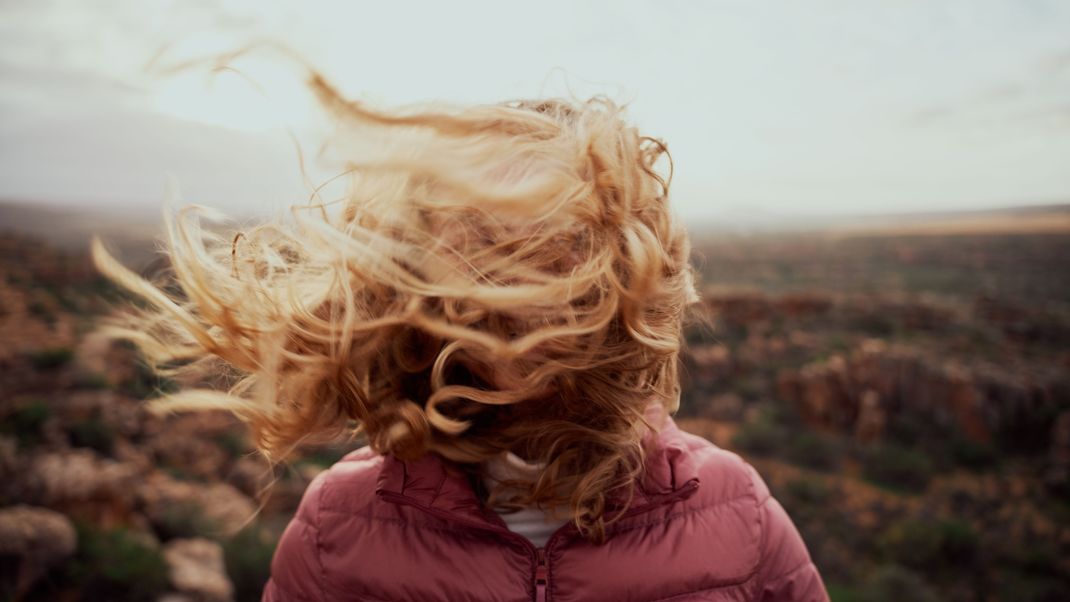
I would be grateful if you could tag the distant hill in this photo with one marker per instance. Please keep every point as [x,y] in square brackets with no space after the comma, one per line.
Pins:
[1017,220]
[1024,219]
[132,232]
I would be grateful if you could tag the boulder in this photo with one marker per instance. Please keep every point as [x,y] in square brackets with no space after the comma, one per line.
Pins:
[183,508]
[196,568]
[80,482]
[32,540]
[726,406]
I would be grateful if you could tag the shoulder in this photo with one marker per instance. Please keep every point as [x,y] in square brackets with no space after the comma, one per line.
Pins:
[727,534]
[298,568]
[782,568]
[720,520]
[348,485]
[723,475]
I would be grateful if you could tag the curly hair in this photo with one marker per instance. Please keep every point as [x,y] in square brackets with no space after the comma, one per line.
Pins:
[497,278]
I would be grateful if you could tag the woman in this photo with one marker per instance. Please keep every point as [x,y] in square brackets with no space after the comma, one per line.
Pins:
[496,304]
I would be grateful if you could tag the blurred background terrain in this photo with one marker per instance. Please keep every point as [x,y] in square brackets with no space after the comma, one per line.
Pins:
[877,193]
[903,384]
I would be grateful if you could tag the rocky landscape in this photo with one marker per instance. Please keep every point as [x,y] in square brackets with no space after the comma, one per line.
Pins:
[906,396]
[908,399]
[100,499]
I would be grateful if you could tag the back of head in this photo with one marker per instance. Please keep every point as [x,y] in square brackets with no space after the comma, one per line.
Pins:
[497,278]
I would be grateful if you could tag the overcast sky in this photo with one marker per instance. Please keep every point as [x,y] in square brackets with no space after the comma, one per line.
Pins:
[770,108]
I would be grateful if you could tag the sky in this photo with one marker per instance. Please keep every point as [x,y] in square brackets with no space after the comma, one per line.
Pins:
[771,109]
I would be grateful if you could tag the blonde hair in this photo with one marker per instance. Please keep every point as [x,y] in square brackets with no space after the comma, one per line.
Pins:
[497,278]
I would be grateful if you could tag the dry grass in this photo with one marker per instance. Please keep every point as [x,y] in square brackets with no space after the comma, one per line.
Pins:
[1053,222]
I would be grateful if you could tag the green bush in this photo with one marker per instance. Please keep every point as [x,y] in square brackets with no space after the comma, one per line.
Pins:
[806,491]
[26,423]
[931,545]
[912,429]
[946,444]
[49,359]
[93,381]
[42,311]
[233,443]
[184,520]
[93,433]
[248,558]
[892,583]
[760,438]
[116,564]
[897,468]
[878,325]
[778,431]
[1023,586]
[971,454]
[145,383]
[959,541]
[807,499]
[839,592]
[1031,570]
[814,450]
[750,387]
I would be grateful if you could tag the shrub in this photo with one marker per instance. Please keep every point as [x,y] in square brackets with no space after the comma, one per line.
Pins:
[93,381]
[760,438]
[814,450]
[42,311]
[897,468]
[248,559]
[116,564]
[931,545]
[806,491]
[233,443]
[971,454]
[145,383]
[27,423]
[839,592]
[186,519]
[93,433]
[1031,570]
[1023,586]
[892,583]
[807,499]
[779,431]
[959,541]
[911,429]
[751,387]
[946,443]
[873,324]
[49,359]
[912,543]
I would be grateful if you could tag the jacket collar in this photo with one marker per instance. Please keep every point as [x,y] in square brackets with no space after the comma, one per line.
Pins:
[440,487]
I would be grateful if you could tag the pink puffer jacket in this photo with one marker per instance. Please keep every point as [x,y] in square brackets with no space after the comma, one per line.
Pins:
[702,526]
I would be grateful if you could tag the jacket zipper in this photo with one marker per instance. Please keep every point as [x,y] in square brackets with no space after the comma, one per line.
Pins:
[542,572]
[538,554]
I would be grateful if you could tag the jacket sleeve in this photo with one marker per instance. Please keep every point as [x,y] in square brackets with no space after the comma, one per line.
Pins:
[786,573]
[296,572]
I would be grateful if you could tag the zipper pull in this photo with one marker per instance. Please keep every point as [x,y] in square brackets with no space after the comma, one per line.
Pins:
[542,572]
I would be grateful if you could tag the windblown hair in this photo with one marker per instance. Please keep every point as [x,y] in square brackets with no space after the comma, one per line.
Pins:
[501,277]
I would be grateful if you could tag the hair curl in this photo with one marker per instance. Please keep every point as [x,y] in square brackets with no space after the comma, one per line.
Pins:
[497,278]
